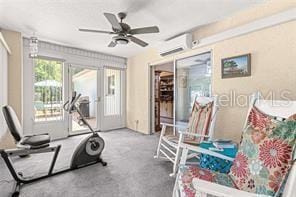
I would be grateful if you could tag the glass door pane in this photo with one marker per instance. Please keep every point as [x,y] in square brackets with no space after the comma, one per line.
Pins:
[84,81]
[193,78]
[112,90]
[48,90]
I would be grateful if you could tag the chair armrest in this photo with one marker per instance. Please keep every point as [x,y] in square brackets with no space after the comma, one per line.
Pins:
[198,149]
[193,134]
[220,190]
[172,125]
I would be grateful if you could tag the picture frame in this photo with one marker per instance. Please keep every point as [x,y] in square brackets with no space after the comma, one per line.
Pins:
[236,66]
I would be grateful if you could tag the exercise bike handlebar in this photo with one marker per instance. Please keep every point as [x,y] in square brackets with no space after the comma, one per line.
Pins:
[70,106]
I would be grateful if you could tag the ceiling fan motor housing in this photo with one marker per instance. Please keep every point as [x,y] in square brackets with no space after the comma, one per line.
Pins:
[125,28]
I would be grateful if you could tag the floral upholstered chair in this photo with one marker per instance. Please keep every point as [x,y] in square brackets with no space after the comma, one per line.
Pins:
[264,164]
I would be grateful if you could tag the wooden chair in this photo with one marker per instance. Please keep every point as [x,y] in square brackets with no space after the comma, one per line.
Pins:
[200,127]
[202,184]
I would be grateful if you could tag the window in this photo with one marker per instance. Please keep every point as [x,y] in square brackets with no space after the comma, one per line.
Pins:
[112,102]
[111,85]
[48,90]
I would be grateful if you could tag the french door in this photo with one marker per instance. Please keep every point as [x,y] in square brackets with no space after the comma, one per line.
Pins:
[45,89]
[102,98]
[85,81]
[113,88]
[49,83]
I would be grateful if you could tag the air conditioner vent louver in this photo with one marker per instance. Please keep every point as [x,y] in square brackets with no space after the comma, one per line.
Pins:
[172,51]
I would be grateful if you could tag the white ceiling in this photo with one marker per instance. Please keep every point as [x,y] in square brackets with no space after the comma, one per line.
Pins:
[57,20]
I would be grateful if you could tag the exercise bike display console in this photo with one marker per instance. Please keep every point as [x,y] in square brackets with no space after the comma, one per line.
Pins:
[88,151]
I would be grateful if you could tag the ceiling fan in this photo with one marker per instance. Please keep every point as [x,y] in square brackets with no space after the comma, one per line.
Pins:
[124,33]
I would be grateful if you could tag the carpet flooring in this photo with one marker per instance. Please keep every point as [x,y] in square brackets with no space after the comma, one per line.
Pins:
[131,170]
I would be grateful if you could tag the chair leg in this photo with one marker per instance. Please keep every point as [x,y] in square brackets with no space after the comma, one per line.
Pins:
[184,156]
[176,162]
[160,140]
[176,188]
[177,157]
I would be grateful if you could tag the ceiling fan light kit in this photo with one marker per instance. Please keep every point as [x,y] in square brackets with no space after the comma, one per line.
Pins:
[123,31]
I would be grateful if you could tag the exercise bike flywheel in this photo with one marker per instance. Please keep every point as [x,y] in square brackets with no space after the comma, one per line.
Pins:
[94,145]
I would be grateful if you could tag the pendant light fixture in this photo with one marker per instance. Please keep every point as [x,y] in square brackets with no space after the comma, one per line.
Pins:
[33,47]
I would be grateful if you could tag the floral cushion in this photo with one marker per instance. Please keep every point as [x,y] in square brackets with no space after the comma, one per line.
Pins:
[265,154]
[200,119]
[187,173]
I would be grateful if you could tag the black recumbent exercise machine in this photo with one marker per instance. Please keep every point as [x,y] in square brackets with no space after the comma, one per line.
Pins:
[88,152]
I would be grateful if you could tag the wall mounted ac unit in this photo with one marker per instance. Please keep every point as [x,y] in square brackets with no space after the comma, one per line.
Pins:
[175,45]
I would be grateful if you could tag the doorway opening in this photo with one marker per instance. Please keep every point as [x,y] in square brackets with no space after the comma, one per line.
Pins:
[163,93]
[175,85]
[84,81]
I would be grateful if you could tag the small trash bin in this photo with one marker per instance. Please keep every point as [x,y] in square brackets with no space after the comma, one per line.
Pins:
[84,106]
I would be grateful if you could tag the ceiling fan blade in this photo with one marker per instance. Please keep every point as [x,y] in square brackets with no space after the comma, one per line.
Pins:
[138,41]
[95,31]
[112,44]
[144,30]
[113,20]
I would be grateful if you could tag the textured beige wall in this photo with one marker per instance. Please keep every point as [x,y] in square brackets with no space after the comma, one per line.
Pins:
[261,10]
[137,91]
[273,69]
[14,41]
[15,59]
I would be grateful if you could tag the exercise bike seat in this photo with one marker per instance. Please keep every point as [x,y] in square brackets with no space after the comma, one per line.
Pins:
[36,141]
[15,128]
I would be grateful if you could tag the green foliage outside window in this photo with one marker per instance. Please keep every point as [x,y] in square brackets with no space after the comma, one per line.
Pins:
[48,81]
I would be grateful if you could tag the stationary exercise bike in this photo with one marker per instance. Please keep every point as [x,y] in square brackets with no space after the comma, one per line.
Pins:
[88,152]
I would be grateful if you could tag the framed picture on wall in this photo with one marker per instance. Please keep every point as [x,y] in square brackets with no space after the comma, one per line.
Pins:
[237,66]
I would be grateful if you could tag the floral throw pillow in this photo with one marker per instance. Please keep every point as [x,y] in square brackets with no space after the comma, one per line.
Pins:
[265,154]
